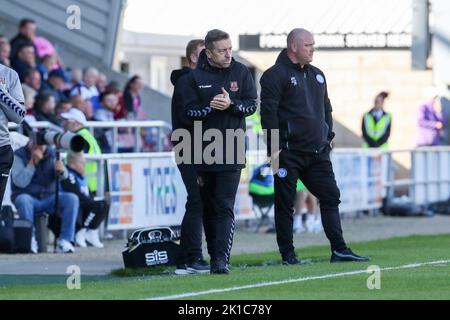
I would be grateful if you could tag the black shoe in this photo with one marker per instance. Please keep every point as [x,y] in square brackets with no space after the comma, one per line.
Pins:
[220,267]
[346,256]
[290,259]
[181,269]
[199,266]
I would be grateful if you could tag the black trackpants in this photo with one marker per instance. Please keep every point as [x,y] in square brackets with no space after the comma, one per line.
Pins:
[6,162]
[218,191]
[316,173]
[192,224]
[91,216]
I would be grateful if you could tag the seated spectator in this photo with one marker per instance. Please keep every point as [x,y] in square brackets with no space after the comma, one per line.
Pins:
[30,96]
[75,121]
[431,121]
[47,64]
[76,77]
[109,103]
[33,79]
[87,88]
[5,51]
[131,100]
[26,35]
[84,106]
[62,107]
[55,84]
[33,191]
[44,108]
[24,61]
[101,87]
[44,47]
[92,213]
[102,82]
[3,38]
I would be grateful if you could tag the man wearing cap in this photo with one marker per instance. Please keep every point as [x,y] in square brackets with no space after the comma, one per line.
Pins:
[55,85]
[76,122]
[33,191]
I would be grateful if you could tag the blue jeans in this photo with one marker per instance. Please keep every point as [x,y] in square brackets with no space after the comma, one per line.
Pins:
[27,206]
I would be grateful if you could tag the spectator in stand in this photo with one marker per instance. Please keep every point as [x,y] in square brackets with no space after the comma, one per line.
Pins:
[102,82]
[26,35]
[33,190]
[431,121]
[47,65]
[30,97]
[109,102]
[3,38]
[24,61]
[5,51]
[87,88]
[62,107]
[44,48]
[84,106]
[101,87]
[55,84]
[44,108]
[76,77]
[33,79]
[131,100]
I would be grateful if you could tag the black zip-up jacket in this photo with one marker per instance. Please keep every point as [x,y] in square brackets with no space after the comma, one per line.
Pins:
[295,101]
[179,117]
[203,84]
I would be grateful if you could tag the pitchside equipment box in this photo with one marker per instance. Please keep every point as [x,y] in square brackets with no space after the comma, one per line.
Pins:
[151,247]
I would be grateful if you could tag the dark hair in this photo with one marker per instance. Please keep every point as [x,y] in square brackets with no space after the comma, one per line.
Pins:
[25,45]
[383,95]
[213,36]
[192,47]
[41,99]
[106,93]
[26,21]
[130,82]
[30,71]
[113,86]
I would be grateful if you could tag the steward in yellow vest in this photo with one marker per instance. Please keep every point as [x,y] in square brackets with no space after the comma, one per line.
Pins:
[76,123]
[376,125]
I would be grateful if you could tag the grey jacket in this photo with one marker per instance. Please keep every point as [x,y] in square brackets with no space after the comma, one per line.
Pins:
[12,107]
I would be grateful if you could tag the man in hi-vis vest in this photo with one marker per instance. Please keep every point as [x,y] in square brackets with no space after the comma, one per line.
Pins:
[76,122]
[376,124]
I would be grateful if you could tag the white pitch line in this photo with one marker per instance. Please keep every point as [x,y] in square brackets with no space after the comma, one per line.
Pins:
[274,283]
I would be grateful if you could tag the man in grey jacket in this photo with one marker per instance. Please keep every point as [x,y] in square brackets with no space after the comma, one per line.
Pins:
[12,109]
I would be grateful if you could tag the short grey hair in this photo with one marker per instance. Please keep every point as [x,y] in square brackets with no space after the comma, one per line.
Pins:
[295,34]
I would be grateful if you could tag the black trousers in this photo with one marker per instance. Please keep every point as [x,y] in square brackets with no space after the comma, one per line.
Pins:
[316,173]
[91,216]
[192,224]
[6,162]
[218,191]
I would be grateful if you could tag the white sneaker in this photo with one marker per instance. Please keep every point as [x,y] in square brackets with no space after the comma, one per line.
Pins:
[64,246]
[298,224]
[34,245]
[310,223]
[317,226]
[93,238]
[80,238]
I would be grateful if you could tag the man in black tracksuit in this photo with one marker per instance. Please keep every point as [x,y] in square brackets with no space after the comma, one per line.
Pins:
[294,100]
[220,93]
[191,258]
